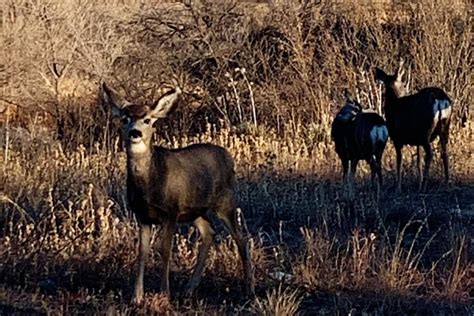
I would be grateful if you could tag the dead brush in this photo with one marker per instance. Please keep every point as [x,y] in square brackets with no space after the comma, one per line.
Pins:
[278,301]
[53,225]
[456,280]
[400,268]
[315,266]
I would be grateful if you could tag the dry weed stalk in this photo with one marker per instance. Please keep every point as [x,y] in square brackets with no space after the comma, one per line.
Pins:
[64,223]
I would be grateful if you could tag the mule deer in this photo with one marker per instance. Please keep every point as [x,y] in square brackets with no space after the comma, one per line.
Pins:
[171,186]
[416,120]
[359,135]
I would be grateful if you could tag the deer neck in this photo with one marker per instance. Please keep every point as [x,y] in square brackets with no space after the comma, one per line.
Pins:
[391,98]
[139,164]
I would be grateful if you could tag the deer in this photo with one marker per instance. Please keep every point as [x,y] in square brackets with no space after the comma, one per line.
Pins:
[168,187]
[416,120]
[359,134]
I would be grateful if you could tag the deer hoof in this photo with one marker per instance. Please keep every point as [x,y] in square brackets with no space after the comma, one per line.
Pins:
[138,297]
[190,290]
[250,291]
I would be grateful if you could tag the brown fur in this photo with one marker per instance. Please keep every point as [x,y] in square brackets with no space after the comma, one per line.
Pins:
[173,186]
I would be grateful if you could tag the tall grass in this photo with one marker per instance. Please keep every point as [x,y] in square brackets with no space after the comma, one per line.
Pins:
[262,80]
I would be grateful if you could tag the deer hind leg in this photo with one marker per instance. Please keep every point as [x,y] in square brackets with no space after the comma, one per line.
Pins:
[228,213]
[375,173]
[419,167]
[378,160]
[144,250]
[444,137]
[207,234]
[428,159]
[398,151]
[165,252]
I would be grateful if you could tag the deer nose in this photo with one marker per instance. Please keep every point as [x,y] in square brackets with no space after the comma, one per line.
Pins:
[134,133]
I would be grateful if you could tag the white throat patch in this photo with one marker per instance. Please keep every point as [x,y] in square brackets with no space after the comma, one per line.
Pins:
[138,148]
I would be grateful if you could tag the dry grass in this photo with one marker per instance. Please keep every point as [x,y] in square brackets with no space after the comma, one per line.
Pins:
[67,237]
[277,302]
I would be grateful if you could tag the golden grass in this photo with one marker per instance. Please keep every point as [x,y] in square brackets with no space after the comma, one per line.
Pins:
[67,237]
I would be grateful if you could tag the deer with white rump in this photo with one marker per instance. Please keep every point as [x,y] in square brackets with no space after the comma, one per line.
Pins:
[359,135]
[416,120]
[171,186]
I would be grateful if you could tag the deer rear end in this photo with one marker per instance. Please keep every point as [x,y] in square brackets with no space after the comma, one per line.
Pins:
[359,135]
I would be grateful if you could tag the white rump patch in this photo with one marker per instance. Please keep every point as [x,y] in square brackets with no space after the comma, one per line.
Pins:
[138,148]
[348,112]
[379,134]
[443,107]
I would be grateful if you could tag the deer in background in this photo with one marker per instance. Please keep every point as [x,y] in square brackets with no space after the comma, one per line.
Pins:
[416,120]
[359,135]
[171,186]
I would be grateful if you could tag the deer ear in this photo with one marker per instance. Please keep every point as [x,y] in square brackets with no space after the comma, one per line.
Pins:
[400,71]
[115,100]
[348,95]
[166,104]
[380,75]
[399,74]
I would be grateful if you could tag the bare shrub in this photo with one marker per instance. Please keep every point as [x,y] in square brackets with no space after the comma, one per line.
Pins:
[278,302]
[67,238]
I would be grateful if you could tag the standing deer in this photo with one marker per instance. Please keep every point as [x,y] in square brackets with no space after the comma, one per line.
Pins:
[171,186]
[416,120]
[359,135]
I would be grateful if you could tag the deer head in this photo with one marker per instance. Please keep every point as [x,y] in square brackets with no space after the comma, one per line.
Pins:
[138,119]
[393,82]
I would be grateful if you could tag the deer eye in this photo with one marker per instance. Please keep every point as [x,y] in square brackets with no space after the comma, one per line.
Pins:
[147,121]
[125,120]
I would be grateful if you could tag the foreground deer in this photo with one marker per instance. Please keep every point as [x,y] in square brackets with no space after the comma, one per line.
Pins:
[416,120]
[172,186]
[359,135]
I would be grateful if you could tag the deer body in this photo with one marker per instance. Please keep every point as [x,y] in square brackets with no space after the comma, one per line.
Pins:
[359,135]
[171,186]
[172,183]
[416,120]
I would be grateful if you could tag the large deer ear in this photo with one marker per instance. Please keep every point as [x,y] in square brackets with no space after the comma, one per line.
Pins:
[113,99]
[400,71]
[166,104]
[380,75]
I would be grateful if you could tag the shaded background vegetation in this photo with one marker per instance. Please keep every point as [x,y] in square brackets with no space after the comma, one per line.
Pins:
[264,81]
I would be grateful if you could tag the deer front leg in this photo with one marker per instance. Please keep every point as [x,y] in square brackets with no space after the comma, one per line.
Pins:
[165,252]
[345,171]
[418,165]
[352,175]
[144,250]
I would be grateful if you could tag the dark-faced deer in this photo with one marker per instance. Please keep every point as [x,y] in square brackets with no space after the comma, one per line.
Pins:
[416,120]
[359,135]
[171,186]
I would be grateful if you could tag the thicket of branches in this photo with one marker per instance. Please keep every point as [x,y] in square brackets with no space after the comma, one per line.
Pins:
[263,81]
[243,65]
